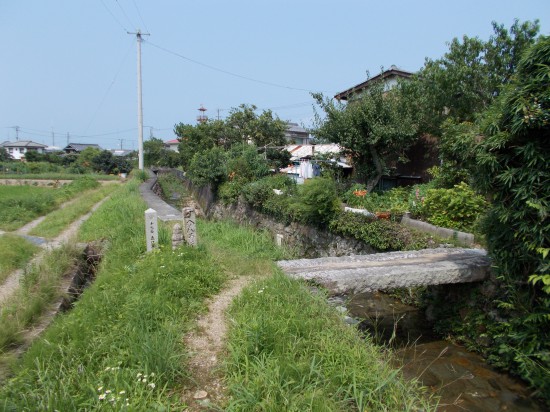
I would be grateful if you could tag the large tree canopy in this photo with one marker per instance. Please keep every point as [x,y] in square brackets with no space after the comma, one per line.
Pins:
[466,80]
[243,125]
[372,131]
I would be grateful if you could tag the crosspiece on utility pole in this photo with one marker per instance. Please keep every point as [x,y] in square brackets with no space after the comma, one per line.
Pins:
[139,35]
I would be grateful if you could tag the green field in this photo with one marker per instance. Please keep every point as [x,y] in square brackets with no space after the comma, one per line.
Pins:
[22,204]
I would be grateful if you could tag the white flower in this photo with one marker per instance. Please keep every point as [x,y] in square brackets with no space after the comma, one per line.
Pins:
[108,391]
[100,389]
[151,385]
[139,375]
[102,396]
[152,374]
[122,392]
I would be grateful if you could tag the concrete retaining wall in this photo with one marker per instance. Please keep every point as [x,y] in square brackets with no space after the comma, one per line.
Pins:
[462,237]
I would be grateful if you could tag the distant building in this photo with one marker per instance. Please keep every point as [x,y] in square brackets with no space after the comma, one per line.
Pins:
[121,152]
[389,77]
[18,149]
[79,147]
[296,134]
[172,145]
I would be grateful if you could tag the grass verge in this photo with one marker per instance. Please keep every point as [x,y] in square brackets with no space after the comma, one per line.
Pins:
[38,288]
[15,252]
[58,220]
[290,351]
[121,346]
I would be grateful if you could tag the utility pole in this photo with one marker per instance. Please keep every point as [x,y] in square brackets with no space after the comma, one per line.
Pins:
[121,140]
[53,137]
[139,35]
[16,132]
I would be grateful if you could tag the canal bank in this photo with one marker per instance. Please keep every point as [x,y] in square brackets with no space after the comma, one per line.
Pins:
[462,379]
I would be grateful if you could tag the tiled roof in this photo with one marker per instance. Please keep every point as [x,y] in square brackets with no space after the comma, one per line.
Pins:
[24,143]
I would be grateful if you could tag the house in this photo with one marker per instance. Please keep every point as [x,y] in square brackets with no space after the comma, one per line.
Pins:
[296,134]
[79,147]
[389,77]
[421,156]
[172,145]
[18,149]
[308,160]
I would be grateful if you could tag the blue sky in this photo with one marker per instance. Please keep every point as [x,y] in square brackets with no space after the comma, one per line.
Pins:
[68,66]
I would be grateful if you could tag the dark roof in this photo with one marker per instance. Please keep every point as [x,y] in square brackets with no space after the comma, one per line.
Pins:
[80,146]
[24,143]
[392,72]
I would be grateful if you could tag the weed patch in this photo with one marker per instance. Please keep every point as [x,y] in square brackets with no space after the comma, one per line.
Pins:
[288,350]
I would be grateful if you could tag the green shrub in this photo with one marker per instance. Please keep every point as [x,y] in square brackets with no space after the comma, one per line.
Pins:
[457,208]
[229,192]
[316,202]
[208,167]
[382,235]
[394,200]
[244,163]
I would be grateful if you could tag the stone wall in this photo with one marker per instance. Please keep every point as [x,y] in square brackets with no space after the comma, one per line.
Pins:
[307,241]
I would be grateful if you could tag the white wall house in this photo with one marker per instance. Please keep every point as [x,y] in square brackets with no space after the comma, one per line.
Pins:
[18,149]
[172,145]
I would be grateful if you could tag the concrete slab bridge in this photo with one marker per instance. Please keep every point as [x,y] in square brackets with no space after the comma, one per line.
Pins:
[384,271]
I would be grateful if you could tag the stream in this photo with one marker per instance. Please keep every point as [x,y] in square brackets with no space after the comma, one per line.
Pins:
[462,379]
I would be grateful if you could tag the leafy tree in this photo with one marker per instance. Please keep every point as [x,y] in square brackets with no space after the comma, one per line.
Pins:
[208,167]
[85,158]
[152,151]
[244,125]
[466,80]
[510,159]
[4,155]
[373,130]
[194,139]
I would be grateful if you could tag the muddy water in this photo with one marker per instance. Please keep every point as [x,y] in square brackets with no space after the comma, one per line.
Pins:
[462,379]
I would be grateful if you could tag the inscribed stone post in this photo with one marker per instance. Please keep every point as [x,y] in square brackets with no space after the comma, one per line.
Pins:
[151,229]
[177,236]
[189,226]
[279,239]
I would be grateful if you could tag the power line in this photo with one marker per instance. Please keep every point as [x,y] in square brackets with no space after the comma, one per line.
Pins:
[140,18]
[124,13]
[113,16]
[231,73]
[108,89]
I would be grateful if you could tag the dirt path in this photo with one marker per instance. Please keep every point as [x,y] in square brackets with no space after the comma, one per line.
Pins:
[206,346]
[11,284]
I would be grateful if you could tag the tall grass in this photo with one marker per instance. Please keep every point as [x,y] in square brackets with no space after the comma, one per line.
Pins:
[290,351]
[39,287]
[123,340]
[55,222]
[15,252]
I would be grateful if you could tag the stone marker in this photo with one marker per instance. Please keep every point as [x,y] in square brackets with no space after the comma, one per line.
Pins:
[189,226]
[279,239]
[177,236]
[151,229]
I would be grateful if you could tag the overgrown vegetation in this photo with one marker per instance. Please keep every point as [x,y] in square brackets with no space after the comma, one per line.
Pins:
[121,346]
[288,350]
[37,290]
[381,234]
[55,222]
[15,252]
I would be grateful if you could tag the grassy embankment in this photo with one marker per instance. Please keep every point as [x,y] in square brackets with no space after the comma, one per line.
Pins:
[15,252]
[121,347]
[56,176]
[22,204]
[57,221]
